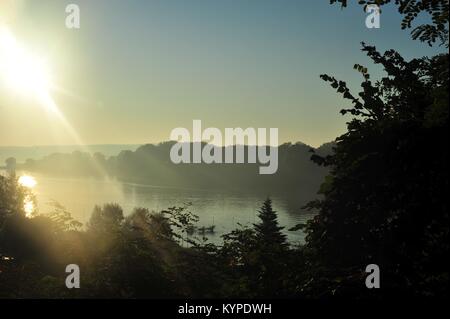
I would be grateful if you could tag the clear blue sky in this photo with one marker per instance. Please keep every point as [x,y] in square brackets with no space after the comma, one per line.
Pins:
[137,69]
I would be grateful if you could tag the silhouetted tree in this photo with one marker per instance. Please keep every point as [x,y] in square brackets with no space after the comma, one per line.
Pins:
[12,198]
[256,259]
[436,10]
[385,201]
[106,218]
[180,219]
[268,233]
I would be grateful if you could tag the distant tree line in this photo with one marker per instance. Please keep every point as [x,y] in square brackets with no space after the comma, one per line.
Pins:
[151,164]
[385,202]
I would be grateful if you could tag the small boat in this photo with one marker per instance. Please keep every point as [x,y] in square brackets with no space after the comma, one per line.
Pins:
[201,230]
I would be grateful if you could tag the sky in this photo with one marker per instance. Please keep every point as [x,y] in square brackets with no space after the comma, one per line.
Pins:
[135,70]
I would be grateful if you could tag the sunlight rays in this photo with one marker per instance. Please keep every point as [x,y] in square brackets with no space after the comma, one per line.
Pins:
[28,75]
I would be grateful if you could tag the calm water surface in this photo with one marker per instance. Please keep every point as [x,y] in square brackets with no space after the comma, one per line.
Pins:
[222,209]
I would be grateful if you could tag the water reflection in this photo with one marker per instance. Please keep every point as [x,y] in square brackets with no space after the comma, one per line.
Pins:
[224,209]
[28,182]
[29,207]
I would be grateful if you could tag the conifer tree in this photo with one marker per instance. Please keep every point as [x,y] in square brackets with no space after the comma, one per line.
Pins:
[268,232]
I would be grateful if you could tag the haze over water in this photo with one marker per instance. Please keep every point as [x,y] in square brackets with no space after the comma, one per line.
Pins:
[222,209]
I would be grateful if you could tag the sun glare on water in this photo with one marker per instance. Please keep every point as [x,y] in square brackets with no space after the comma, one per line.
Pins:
[28,205]
[27,181]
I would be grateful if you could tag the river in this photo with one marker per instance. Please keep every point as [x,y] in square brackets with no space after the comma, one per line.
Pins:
[225,210]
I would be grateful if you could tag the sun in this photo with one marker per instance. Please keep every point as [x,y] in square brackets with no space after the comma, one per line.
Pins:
[20,69]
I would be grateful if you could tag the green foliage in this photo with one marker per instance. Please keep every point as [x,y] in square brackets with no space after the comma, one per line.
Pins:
[107,218]
[134,257]
[156,223]
[436,10]
[386,199]
[12,198]
[267,232]
[384,202]
[62,219]
[182,219]
[258,259]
